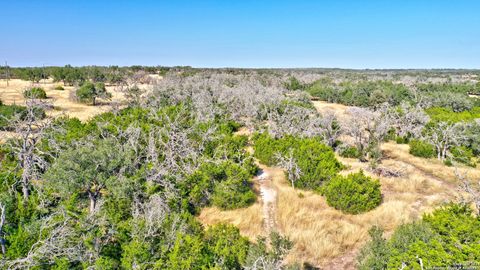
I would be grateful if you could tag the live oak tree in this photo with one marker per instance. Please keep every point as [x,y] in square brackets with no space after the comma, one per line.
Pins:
[88,169]
[89,92]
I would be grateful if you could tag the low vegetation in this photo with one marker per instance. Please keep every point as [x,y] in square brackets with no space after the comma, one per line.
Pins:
[422,149]
[445,238]
[35,92]
[314,161]
[353,194]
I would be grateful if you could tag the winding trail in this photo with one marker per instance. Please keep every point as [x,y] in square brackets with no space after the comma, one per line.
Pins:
[269,199]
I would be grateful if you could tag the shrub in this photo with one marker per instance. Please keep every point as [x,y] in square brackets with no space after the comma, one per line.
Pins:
[421,149]
[227,246]
[293,84]
[234,190]
[316,161]
[402,140]
[35,92]
[8,112]
[448,162]
[349,152]
[353,194]
[59,87]
[463,155]
[444,239]
[442,114]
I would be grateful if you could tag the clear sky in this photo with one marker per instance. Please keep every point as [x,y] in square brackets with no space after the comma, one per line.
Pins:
[243,33]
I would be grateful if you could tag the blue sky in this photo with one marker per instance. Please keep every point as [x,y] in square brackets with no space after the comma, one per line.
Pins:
[248,33]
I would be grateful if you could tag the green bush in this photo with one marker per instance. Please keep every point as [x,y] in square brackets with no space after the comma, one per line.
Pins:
[448,162]
[442,114]
[235,189]
[317,161]
[294,84]
[421,149]
[59,87]
[463,155]
[7,112]
[227,246]
[353,194]
[448,237]
[35,92]
[349,152]
[402,140]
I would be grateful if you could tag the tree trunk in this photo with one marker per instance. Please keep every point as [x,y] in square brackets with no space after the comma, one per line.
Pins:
[93,101]
[2,222]
[93,196]
[25,191]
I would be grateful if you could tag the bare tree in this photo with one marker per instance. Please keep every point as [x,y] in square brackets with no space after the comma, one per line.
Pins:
[409,120]
[368,129]
[58,239]
[289,163]
[292,120]
[330,128]
[472,192]
[443,136]
[2,223]
[30,130]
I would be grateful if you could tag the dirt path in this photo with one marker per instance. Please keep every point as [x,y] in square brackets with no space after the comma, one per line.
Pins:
[269,199]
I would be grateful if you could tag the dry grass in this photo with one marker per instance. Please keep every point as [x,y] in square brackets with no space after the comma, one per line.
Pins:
[248,220]
[322,233]
[13,94]
[431,166]
[330,239]
[5,135]
[339,109]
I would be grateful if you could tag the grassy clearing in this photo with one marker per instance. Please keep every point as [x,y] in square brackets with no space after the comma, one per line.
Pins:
[248,220]
[13,94]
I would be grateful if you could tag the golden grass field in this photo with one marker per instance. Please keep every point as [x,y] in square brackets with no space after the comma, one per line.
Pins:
[13,94]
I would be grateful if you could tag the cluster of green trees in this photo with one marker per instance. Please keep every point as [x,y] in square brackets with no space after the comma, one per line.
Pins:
[438,114]
[70,75]
[448,237]
[368,93]
[361,93]
[317,169]
[122,190]
[455,132]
